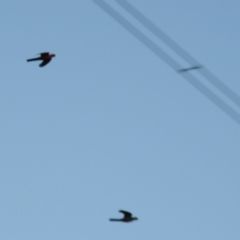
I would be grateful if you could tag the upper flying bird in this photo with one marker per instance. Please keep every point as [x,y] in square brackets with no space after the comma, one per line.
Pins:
[126,218]
[189,69]
[45,57]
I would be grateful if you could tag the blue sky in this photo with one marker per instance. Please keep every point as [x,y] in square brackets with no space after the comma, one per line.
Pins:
[107,125]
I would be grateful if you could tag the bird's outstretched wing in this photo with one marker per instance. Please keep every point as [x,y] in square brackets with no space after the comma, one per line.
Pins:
[126,214]
[45,62]
[43,53]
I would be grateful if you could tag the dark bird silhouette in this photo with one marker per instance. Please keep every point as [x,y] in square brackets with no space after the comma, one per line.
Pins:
[126,218]
[45,57]
[189,69]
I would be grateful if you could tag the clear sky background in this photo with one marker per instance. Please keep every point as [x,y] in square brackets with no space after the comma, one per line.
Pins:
[107,125]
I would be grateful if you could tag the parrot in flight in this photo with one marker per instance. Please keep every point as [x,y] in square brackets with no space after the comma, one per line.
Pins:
[45,57]
[126,218]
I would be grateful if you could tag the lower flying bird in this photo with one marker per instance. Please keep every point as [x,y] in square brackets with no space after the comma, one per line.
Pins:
[189,69]
[126,218]
[45,57]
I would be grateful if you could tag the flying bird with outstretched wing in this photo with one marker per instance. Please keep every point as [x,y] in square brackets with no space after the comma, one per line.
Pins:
[45,57]
[126,218]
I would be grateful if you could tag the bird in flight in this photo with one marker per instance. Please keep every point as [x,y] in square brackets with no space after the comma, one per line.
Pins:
[126,218]
[45,57]
[189,69]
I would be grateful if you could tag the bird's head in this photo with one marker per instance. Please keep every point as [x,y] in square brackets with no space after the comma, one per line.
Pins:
[53,55]
[134,218]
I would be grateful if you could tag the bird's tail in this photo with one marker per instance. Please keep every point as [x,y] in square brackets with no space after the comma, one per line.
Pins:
[33,59]
[115,220]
